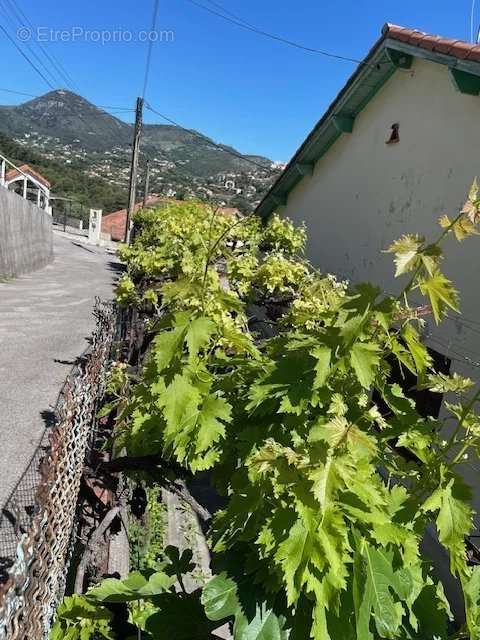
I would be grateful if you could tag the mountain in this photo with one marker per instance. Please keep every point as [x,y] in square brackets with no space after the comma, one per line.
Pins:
[65,128]
[74,121]
[67,116]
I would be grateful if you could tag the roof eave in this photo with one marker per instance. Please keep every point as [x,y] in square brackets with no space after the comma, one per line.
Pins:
[367,79]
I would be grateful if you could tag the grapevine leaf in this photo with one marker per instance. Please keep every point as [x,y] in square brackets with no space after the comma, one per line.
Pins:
[442,383]
[198,335]
[418,351]
[215,412]
[180,616]
[454,520]
[471,589]
[135,587]
[293,554]
[180,403]
[323,356]
[431,257]
[166,346]
[406,252]
[441,294]
[266,625]
[375,583]
[365,358]
[220,599]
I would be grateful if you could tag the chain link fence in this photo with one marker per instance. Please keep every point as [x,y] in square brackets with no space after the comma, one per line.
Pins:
[38,522]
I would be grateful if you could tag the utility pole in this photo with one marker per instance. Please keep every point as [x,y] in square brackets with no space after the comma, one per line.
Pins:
[132,191]
[147,185]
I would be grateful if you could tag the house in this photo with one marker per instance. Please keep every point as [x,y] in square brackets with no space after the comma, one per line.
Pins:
[29,184]
[397,148]
[113,224]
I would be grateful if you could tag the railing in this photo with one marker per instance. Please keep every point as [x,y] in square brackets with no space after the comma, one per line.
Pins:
[41,189]
[41,513]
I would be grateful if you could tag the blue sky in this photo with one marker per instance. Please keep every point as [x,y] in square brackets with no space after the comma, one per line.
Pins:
[241,89]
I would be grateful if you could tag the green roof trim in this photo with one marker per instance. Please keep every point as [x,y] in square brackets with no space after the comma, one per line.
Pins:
[386,56]
[344,123]
[465,82]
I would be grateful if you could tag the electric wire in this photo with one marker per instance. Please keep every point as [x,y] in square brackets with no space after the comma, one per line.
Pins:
[11,16]
[23,20]
[207,140]
[266,34]
[25,56]
[150,47]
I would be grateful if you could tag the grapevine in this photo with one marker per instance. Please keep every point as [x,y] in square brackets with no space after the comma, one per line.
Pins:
[277,380]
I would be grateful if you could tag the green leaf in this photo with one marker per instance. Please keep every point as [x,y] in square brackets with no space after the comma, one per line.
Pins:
[365,357]
[441,294]
[454,520]
[199,334]
[264,626]
[376,582]
[166,346]
[136,586]
[406,252]
[471,589]
[180,617]
[323,357]
[214,414]
[220,599]
[442,383]
[418,351]
[180,408]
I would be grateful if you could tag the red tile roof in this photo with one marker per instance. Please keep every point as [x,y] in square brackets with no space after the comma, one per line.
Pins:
[25,168]
[114,223]
[449,46]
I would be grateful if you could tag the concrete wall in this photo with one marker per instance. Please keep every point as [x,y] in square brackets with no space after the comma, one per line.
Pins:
[26,240]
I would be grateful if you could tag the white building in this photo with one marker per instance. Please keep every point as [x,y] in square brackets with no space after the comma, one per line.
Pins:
[28,183]
[397,148]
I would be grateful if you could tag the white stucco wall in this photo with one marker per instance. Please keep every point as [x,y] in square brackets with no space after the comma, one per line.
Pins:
[364,194]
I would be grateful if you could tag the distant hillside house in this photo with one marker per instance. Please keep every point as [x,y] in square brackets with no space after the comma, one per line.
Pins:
[397,148]
[29,184]
[114,224]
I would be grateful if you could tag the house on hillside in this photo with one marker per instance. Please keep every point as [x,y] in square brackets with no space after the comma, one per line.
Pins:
[29,184]
[114,224]
[396,149]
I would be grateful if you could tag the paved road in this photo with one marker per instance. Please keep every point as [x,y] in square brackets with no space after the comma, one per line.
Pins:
[45,318]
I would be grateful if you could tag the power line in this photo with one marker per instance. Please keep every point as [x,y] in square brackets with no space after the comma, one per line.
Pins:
[18,93]
[150,47]
[24,55]
[204,139]
[57,65]
[11,15]
[239,22]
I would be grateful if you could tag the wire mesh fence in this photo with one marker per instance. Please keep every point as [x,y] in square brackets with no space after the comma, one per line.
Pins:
[37,523]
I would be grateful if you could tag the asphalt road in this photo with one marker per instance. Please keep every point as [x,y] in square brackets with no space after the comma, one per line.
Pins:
[45,320]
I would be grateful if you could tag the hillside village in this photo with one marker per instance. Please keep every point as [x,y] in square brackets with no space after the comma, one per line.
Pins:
[174,171]
[240,397]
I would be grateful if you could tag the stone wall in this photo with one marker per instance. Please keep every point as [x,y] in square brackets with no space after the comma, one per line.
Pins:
[26,240]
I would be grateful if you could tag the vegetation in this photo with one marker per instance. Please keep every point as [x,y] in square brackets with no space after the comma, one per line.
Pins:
[278,381]
[70,181]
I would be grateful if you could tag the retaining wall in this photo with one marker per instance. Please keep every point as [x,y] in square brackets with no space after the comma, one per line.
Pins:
[26,237]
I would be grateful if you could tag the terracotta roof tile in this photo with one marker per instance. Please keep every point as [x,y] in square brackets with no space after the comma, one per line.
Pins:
[25,168]
[448,46]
